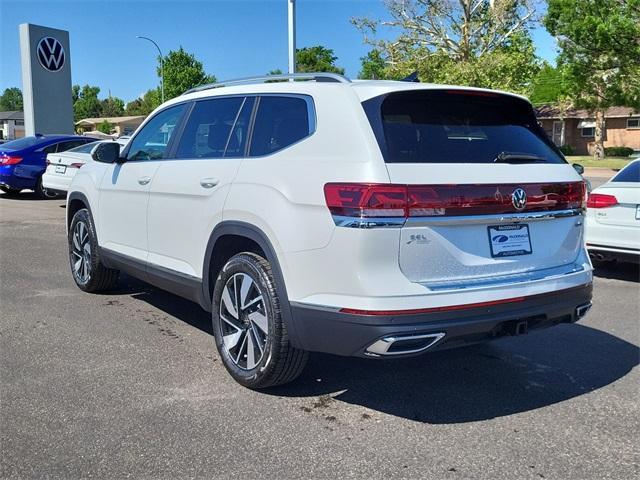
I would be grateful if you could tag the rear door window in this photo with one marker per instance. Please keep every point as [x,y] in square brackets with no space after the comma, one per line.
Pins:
[457,126]
[280,122]
[208,129]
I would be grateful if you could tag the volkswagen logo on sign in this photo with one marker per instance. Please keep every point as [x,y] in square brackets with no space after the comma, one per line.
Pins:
[50,54]
[519,198]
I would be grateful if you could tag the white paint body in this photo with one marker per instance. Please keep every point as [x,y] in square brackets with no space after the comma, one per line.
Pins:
[168,221]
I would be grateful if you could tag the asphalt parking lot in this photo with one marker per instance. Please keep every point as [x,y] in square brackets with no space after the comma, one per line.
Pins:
[129,384]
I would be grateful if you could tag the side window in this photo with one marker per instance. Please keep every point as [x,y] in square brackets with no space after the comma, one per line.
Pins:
[280,122]
[238,139]
[50,148]
[152,141]
[207,131]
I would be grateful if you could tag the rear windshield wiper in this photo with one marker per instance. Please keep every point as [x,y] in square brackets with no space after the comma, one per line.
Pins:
[516,157]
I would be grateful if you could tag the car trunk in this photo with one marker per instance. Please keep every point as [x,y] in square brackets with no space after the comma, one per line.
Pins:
[626,213]
[492,201]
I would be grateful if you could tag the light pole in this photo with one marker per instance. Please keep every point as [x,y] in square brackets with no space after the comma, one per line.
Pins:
[161,66]
[292,36]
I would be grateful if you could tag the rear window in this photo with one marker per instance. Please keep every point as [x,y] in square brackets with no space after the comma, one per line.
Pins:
[21,143]
[457,126]
[631,173]
[86,148]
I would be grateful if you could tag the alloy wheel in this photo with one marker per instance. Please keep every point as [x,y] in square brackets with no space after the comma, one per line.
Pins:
[81,252]
[243,321]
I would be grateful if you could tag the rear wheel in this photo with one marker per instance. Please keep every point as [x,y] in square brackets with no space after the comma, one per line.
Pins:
[9,190]
[250,333]
[43,193]
[88,271]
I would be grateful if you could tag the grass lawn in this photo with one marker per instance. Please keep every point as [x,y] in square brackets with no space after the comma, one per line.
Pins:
[588,161]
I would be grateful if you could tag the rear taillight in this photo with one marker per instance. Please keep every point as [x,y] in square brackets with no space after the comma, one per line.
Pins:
[7,160]
[600,200]
[392,201]
[76,165]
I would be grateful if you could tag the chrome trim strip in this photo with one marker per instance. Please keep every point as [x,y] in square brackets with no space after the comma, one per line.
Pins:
[535,275]
[382,346]
[368,222]
[500,218]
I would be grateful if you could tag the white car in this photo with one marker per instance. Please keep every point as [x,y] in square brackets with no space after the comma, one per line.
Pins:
[376,219]
[63,166]
[613,217]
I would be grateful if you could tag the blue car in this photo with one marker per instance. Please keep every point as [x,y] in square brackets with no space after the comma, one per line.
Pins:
[23,161]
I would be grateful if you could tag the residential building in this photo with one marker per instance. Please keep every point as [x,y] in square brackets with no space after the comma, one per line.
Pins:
[11,125]
[576,128]
[120,125]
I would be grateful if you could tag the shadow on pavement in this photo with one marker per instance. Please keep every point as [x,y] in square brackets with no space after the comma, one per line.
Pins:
[508,376]
[629,272]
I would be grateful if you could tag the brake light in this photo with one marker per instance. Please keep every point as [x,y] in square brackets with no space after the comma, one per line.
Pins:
[7,160]
[392,200]
[76,165]
[600,200]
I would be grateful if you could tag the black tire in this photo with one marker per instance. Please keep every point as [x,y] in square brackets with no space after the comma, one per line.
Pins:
[43,193]
[92,276]
[279,362]
[10,191]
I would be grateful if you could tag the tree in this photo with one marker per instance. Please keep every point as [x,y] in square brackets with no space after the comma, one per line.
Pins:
[600,53]
[104,127]
[482,43]
[144,105]
[87,104]
[317,59]
[373,66]
[11,100]
[182,71]
[112,107]
[547,86]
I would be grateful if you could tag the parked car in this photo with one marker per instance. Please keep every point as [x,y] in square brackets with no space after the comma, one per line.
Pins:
[613,217]
[375,219]
[62,166]
[22,161]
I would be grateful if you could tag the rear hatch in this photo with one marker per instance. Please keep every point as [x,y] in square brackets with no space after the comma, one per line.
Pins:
[490,199]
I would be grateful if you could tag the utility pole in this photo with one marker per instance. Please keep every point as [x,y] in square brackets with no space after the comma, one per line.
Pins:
[292,36]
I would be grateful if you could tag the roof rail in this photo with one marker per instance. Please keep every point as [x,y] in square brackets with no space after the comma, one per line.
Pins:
[314,76]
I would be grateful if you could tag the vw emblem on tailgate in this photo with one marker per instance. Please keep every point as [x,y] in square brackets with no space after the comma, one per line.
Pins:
[50,54]
[519,198]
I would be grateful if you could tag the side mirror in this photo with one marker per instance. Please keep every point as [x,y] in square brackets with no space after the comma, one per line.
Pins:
[578,168]
[108,152]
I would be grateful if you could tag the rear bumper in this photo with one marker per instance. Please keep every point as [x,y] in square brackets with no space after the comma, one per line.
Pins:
[330,331]
[606,252]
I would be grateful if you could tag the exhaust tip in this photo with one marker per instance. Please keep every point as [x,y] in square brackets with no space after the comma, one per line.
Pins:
[403,344]
[582,310]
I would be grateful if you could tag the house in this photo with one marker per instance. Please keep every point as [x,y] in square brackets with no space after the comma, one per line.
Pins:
[11,125]
[120,125]
[576,128]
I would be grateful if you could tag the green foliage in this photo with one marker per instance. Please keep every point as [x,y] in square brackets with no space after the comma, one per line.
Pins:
[618,151]
[317,59]
[182,71]
[87,104]
[105,127]
[112,107]
[11,100]
[600,54]
[547,86]
[145,104]
[482,43]
[567,150]
[373,66]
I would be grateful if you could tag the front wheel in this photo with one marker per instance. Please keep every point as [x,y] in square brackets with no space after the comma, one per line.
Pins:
[88,271]
[250,334]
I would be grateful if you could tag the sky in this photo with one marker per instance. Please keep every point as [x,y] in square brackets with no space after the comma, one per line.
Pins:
[231,38]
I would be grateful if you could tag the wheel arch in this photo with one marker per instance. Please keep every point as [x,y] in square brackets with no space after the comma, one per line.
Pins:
[257,237]
[76,201]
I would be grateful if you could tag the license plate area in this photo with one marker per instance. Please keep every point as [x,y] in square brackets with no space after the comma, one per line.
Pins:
[61,168]
[509,240]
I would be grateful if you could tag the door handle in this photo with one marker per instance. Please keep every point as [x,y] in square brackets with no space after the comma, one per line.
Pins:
[209,182]
[144,180]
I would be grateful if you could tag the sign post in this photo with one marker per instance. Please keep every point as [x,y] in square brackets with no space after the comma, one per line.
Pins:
[46,80]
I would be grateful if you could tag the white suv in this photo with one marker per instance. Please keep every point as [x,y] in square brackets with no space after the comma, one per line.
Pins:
[371,218]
